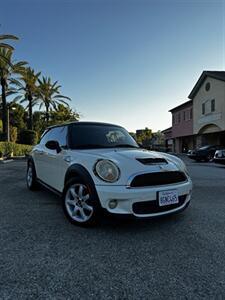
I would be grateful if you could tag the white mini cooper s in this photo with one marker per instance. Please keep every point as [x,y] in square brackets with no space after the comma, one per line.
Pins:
[97,166]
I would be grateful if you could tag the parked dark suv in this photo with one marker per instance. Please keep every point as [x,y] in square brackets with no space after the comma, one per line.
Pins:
[205,153]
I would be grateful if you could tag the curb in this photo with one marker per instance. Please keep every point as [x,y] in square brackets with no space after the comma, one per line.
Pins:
[15,158]
[6,161]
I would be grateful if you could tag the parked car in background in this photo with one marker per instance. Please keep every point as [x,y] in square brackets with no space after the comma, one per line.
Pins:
[189,153]
[97,166]
[205,153]
[219,156]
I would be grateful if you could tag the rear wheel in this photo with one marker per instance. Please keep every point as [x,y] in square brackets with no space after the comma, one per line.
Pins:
[208,157]
[31,177]
[80,202]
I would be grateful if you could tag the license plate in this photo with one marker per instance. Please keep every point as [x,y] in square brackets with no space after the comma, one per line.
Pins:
[168,197]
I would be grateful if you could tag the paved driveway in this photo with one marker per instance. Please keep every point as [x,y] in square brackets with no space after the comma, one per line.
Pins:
[177,257]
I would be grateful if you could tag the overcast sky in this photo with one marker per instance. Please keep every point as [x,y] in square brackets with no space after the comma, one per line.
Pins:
[125,62]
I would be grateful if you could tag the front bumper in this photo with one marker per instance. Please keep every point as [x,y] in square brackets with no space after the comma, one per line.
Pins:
[219,160]
[127,197]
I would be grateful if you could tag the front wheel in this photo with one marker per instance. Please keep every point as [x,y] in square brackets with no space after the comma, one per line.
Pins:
[80,203]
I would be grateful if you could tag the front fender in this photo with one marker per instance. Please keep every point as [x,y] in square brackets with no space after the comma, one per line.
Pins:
[77,170]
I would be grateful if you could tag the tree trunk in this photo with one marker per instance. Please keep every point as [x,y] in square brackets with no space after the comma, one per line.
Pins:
[47,113]
[4,110]
[30,112]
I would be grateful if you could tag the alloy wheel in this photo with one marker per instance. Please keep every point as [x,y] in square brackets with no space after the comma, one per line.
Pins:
[76,202]
[29,176]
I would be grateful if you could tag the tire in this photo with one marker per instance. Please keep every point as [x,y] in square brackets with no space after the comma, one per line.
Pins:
[80,202]
[208,157]
[31,177]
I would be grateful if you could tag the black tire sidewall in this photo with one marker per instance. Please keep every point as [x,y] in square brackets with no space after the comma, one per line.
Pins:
[33,185]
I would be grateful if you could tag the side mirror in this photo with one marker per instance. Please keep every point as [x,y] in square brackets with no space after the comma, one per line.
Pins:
[53,145]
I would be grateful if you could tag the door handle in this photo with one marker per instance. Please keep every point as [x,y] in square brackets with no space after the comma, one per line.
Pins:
[39,151]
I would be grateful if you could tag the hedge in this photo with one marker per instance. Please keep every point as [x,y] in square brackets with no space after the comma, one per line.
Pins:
[28,137]
[12,149]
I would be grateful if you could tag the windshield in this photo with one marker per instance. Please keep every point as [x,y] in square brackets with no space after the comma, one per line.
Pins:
[205,147]
[86,136]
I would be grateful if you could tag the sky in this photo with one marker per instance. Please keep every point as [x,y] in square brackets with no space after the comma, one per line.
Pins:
[126,62]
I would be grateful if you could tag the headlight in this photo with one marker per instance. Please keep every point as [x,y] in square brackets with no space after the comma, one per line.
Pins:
[183,167]
[107,170]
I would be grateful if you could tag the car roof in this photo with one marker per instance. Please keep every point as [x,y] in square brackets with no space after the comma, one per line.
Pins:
[83,123]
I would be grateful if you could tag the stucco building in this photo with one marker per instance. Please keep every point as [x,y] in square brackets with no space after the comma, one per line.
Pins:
[168,139]
[182,127]
[208,96]
[201,120]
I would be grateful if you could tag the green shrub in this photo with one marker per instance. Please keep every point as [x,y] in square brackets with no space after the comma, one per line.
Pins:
[28,137]
[8,149]
[2,136]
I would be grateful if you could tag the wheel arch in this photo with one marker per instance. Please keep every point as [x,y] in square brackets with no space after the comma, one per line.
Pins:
[77,170]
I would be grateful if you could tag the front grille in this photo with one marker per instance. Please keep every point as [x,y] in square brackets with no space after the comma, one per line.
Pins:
[150,207]
[158,178]
[152,161]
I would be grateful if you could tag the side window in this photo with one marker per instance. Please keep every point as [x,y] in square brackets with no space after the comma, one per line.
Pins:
[46,137]
[58,134]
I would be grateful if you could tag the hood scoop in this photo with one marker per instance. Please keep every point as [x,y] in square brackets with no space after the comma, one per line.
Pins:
[152,161]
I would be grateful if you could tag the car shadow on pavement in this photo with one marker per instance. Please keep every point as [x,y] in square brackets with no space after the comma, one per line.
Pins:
[107,222]
[131,224]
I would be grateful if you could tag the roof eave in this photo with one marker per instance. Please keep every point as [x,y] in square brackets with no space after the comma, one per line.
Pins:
[181,106]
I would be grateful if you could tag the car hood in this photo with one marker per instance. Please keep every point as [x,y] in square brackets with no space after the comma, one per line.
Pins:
[129,154]
[126,160]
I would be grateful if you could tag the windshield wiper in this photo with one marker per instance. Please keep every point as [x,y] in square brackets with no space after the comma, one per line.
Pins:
[125,146]
[90,146]
[97,146]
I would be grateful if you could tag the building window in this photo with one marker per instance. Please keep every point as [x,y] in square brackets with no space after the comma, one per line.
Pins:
[212,105]
[184,115]
[173,119]
[207,86]
[203,108]
[191,114]
[178,117]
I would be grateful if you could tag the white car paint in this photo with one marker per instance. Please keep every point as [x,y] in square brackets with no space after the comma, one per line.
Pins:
[51,168]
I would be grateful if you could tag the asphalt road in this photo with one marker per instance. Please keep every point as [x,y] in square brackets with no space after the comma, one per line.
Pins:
[178,257]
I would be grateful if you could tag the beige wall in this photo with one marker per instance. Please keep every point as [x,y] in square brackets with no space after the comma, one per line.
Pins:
[217,92]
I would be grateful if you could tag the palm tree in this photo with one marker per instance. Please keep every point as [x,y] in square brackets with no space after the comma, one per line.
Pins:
[7,69]
[4,45]
[49,95]
[27,83]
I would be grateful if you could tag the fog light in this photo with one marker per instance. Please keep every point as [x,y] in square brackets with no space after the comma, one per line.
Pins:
[113,203]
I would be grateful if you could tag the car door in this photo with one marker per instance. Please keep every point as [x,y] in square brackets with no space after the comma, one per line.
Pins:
[51,162]
[39,157]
